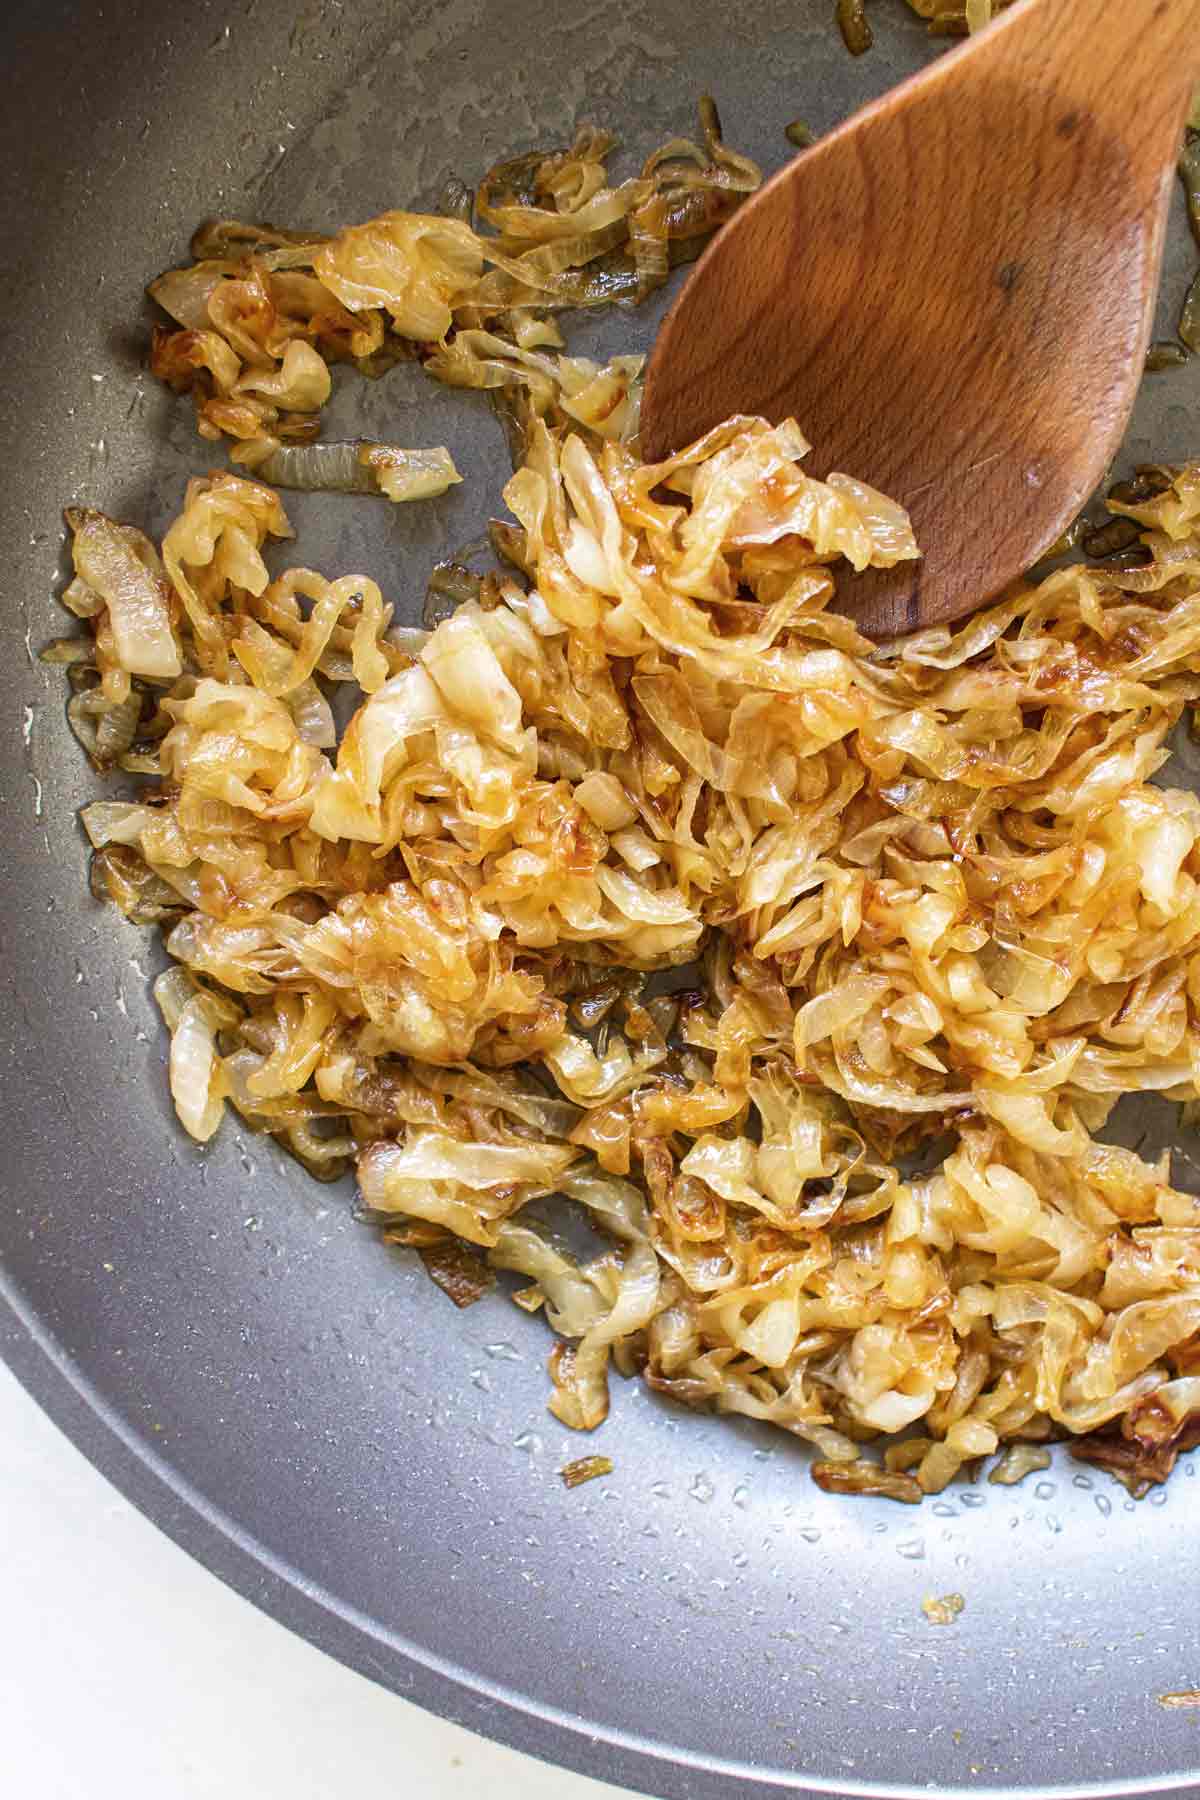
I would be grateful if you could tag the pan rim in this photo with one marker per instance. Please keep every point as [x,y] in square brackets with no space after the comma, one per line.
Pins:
[144,1475]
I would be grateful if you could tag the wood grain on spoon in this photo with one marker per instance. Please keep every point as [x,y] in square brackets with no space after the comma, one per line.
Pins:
[953,291]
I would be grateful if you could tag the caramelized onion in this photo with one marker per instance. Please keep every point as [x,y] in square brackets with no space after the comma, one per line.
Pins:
[930,899]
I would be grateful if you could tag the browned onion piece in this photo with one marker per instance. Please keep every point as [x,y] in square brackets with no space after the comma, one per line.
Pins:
[854,27]
[356,467]
[585,1468]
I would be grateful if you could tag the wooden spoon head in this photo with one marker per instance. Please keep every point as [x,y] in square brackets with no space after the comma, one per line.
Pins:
[952,293]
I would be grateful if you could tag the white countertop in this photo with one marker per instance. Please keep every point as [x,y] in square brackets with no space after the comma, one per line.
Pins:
[125,1668]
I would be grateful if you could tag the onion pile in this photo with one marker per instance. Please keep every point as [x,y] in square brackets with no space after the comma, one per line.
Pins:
[645,888]
[260,314]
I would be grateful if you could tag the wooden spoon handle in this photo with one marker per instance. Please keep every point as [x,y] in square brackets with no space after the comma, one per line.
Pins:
[1106,40]
[1103,53]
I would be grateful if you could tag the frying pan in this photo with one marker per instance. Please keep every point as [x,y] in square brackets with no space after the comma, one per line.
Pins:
[291,1401]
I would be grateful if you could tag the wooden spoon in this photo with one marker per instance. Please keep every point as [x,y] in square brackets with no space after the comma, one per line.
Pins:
[952,292]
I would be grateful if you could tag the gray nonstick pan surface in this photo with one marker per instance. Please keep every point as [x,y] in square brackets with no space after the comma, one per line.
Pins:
[296,1404]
